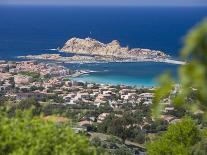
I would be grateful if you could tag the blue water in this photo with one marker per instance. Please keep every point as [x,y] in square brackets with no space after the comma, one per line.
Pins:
[34,30]
[139,74]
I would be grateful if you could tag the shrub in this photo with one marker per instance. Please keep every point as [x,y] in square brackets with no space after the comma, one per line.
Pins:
[23,135]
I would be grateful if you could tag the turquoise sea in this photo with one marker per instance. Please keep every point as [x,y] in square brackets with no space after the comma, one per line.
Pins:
[35,30]
[140,74]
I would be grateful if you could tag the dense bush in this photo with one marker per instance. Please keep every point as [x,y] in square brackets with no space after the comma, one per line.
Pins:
[23,135]
[178,139]
[122,127]
[185,137]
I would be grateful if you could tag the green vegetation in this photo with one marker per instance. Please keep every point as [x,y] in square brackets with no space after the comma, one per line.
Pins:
[188,136]
[111,144]
[192,76]
[75,113]
[127,128]
[32,74]
[24,134]
[123,151]
[35,76]
[177,140]
[34,88]
[122,127]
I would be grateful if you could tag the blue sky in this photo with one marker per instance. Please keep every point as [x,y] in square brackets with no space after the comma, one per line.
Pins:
[108,2]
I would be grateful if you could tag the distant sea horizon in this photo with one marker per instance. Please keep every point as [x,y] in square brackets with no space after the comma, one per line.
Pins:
[34,30]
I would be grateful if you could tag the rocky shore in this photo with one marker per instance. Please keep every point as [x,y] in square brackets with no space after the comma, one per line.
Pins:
[93,47]
[92,51]
[96,59]
[73,59]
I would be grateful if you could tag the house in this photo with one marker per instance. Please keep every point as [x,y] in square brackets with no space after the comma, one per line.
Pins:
[75,83]
[91,85]
[22,80]
[132,95]
[115,104]
[24,88]
[102,117]
[5,76]
[168,118]
[107,92]
[68,97]
[83,95]
[6,87]
[85,123]
[168,109]
[147,102]
[4,68]
[2,61]
[68,83]
[146,96]
[124,97]
[124,91]
[104,97]
[72,102]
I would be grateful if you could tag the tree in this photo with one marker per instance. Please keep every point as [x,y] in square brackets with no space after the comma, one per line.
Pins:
[58,99]
[192,76]
[27,104]
[200,147]
[185,137]
[23,134]
[123,151]
[178,139]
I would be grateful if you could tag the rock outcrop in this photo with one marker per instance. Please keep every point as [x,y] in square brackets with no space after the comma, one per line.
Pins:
[93,47]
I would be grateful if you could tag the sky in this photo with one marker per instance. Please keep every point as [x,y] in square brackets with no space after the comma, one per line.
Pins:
[107,2]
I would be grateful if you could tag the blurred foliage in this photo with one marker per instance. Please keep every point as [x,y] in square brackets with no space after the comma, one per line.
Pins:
[178,139]
[200,148]
[24,134]
[163,92]
[192,77]
[123,151]
[190,94]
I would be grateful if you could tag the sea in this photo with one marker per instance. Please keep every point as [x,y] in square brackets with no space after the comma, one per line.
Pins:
[34,30]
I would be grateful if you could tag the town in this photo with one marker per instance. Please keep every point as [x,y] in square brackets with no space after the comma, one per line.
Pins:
[93,107]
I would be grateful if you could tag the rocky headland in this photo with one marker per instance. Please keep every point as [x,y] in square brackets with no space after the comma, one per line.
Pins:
[92,51]
[90,46]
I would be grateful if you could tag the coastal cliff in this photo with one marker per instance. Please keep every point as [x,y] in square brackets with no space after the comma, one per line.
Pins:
[93,47]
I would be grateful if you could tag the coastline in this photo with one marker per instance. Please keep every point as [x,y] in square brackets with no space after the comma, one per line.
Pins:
[89,59]
[92,75]
[114,81]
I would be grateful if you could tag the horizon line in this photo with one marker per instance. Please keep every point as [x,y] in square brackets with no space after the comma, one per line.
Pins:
[77,5]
